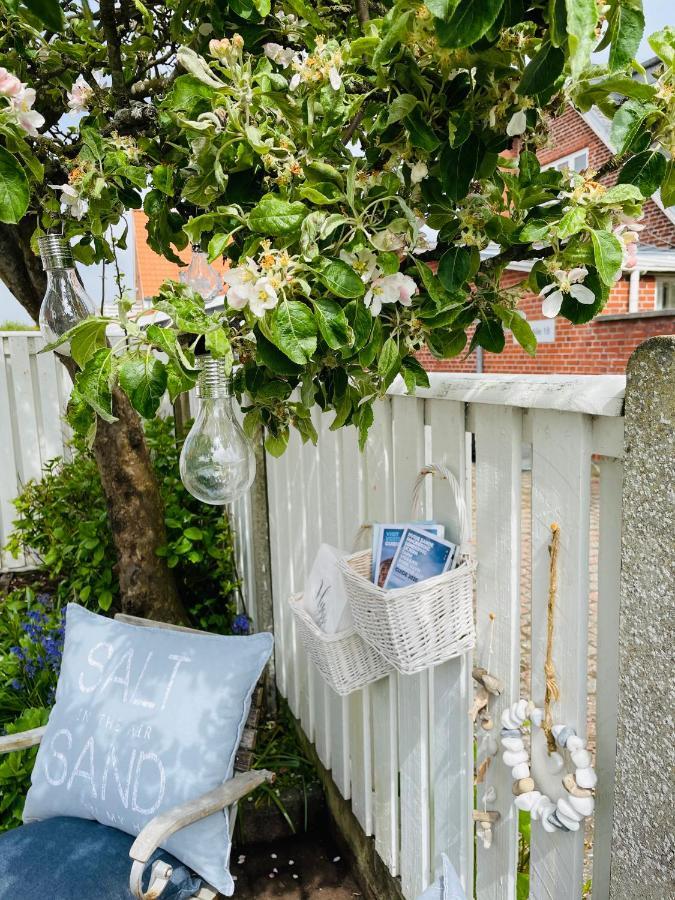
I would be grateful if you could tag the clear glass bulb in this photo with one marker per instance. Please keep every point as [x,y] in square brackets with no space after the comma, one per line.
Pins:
[65,302]
[217,463]
[201,276]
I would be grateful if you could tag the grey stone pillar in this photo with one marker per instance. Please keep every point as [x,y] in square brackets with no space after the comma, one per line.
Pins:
[643,844]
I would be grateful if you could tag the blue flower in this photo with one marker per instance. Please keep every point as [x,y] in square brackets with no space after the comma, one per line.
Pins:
[16,684]
[17,651]
[241,624]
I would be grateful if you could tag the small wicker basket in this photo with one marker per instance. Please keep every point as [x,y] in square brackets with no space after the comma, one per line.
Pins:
[345,661]
[425,624]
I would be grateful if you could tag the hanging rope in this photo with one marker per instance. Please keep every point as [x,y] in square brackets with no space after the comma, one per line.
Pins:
[552,694]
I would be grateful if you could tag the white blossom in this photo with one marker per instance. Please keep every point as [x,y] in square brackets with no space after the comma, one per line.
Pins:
[418,172]
[71,201]
[80,94]
[396,288]
[21,99]
[283,56]
[10,85]
[240,282]
[263,297]
[363,261]
[565,283]
[517,123]
[335,78]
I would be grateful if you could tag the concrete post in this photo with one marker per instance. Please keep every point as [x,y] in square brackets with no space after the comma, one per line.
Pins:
[643,840]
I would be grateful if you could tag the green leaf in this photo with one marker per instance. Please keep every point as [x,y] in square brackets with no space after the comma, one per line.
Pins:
[186,92]
[608,254]
[162,179]
[646,170]
[668,186]
[333,324]
[276,217]
[441,8]
[268,355]
[306,11]
[394,29]
[582,18]
[276,443]
[458,167]
[557,15]
[14,189]
[47,11]
[293,330]
[422,135]
[519,326]
[619,194]
[490,335]
[572,222]
[361,323]
[94,382]
[389,362]
[414,372]
[87,339]
[341,279]
[218,345]
[534,230]
[446,344]
[468,22]
[144,380]
[401,107]
[627,123]
[454,268]
[197,66]
[542,71]
[263,7]
[663,44]
[434,288]
[625,24]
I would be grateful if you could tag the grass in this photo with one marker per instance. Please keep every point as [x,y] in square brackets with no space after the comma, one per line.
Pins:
[9,325]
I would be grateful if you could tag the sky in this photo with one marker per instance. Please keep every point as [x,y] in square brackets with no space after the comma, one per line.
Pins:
[658,13]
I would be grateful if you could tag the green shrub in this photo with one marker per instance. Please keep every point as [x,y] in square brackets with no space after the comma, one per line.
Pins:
[63,520]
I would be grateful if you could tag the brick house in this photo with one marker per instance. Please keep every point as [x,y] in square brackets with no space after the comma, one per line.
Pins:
[641,304]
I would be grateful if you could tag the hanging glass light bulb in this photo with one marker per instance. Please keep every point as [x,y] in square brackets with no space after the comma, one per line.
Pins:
[65,302]
[201,276]
[217,463]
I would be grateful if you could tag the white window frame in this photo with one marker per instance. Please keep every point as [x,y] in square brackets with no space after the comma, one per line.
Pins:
[660,282]
[556,163]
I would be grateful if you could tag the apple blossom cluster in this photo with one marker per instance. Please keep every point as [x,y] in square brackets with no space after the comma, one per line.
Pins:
[323,64]
[392,288]
[21,99]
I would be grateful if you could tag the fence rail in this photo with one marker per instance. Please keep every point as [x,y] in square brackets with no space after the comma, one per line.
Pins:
[403,749]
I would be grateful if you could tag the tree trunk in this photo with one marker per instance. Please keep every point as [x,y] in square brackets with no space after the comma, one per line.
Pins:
[135,511]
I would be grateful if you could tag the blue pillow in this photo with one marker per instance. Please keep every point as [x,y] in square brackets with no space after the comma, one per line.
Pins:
[144,719]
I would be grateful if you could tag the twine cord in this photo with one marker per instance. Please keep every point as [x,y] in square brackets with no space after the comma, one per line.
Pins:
[552,694]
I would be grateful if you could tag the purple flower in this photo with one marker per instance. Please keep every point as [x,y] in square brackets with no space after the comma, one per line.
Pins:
[241,624]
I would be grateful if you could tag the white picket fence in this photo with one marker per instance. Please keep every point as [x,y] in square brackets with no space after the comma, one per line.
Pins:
[402,749]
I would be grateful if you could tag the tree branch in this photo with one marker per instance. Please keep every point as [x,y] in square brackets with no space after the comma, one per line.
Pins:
[362,12]
[113,46]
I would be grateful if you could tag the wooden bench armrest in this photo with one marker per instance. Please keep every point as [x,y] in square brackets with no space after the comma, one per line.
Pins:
[21,740]
[167,823]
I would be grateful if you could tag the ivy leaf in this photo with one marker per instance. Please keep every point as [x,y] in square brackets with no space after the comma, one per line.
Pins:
[293,330]
[608,254]
[542,71]
[94,383]
[468,22]
[389,362]
[144,380]
[454,268]
[14,189]
[341,279]
[87,339]
[646,170]
[276,217]
[332,322]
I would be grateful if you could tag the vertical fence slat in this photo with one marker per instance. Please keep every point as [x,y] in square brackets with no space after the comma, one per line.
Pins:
[384,695]
[337,708]
[607,674]
[498,502]
[8,465]
[451,683]
[279,599]
[29,462]
[353,505]
[413,690]
[51,431]
[561,476]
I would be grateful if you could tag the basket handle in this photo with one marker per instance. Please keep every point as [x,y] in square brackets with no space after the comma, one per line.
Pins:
[443,472]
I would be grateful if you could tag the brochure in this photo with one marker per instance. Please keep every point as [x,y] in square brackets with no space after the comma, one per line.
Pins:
[419,556]
[324,597]
[386,538]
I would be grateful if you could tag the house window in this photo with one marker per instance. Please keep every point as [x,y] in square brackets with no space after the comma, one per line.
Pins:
[665,293]
[577,161]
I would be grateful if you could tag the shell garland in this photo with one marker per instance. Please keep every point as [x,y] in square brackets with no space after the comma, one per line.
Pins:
[568,811]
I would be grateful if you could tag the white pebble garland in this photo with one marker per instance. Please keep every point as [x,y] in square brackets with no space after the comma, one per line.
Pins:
[567,813]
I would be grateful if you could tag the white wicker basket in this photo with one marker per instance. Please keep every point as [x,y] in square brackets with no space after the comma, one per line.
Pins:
[425,624]
[345,661]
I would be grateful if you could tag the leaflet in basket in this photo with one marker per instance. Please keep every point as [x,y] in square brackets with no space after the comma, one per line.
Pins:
[386,538]
[419,556]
